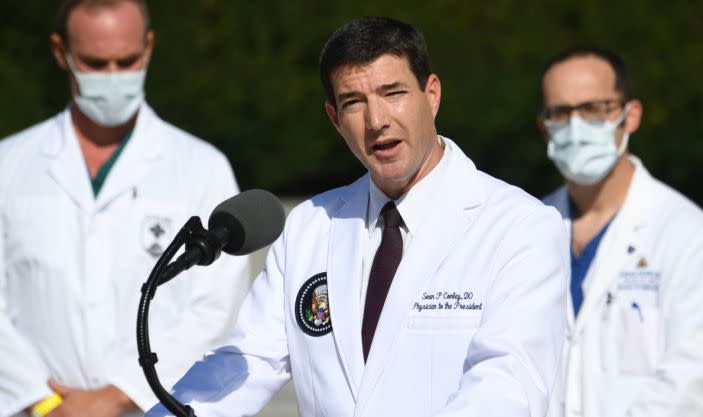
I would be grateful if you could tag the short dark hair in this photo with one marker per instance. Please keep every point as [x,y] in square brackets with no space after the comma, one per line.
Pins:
[623,83]
[364,39]
[67,6]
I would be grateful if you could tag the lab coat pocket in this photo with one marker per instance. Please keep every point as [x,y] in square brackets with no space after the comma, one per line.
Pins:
[640,331]
[443,324]
[445,341]
[148,229]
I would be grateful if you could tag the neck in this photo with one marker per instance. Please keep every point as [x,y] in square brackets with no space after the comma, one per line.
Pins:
[97,143]
[606,197]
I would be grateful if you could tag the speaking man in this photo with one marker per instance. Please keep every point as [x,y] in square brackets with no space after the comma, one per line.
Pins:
[424,288]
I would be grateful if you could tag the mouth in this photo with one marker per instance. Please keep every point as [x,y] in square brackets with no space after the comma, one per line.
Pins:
[385,145]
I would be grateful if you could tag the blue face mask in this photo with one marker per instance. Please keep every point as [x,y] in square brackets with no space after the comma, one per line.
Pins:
[584,151]
[108,98]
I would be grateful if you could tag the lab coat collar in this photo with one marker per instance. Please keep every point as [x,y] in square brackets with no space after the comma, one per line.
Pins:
[344,272]
[146,145]
[413,205]
[456,205]
[69,168]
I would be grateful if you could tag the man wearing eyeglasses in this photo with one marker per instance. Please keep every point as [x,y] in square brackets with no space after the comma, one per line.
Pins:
[635,339]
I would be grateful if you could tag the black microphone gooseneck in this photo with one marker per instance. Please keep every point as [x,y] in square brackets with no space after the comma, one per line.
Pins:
[147,358]
[240,225]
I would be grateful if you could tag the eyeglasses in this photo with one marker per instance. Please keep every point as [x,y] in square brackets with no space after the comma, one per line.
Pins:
[597,110]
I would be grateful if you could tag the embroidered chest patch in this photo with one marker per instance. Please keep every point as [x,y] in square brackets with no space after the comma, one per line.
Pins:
[155,234]
[312,308]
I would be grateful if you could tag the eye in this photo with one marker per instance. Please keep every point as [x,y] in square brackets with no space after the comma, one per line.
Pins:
[127,62]
[350,102]
[590,107]
[396,93]
[558,113]
[95,64]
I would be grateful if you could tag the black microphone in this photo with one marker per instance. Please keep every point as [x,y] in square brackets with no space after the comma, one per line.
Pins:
[251,220]
[239,225]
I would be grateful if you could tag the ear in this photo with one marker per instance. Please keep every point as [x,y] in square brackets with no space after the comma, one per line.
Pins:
[433,90]
[542,128]
[57,48]
[149,48]
[332,114]
[634,116]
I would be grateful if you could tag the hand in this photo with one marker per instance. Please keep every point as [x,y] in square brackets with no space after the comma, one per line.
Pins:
[107,401]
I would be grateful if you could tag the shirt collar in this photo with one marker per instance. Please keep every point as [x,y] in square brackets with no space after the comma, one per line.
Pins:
[412,205]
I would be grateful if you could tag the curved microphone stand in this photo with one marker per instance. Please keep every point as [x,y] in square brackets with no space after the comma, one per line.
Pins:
[161,274]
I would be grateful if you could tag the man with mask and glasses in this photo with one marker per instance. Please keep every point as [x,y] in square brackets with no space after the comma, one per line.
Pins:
[90,199]
[635,322]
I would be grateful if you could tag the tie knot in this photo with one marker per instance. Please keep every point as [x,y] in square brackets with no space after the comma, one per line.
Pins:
[391,216]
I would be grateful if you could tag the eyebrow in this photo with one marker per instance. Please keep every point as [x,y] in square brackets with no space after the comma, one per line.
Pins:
[391,86]
[89,58]
[383,88]
[345,96]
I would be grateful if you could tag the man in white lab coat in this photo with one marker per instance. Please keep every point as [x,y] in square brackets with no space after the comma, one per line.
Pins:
[424,288]
[90,199]
[635,320]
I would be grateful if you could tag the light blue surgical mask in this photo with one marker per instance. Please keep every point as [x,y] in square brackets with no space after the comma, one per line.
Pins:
[584,151]
[108,98]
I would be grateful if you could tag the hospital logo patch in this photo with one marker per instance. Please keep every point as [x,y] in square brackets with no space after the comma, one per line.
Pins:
[155,234]
[312,308]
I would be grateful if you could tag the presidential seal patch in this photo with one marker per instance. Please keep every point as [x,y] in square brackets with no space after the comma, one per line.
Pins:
[312,308]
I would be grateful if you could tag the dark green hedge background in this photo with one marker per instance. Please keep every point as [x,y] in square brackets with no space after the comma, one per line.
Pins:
[243,75]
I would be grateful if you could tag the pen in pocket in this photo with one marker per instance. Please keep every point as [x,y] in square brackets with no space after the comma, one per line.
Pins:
[636,307]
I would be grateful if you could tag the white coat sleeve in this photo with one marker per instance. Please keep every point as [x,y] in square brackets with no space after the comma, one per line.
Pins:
[23,374]
[513,358]
[241,377]
[676,389]
[209,297]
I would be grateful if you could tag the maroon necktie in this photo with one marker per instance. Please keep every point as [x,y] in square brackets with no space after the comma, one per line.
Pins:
[383,269]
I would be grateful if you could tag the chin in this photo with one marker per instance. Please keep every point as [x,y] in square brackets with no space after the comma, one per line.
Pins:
[394,179]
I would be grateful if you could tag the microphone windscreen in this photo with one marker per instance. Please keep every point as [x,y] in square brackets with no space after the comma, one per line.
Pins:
[253,219]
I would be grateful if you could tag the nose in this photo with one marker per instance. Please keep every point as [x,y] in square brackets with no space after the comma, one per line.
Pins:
[376,117]
[112,66]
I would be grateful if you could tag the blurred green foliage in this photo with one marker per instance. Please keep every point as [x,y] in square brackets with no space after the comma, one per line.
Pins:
[243,75]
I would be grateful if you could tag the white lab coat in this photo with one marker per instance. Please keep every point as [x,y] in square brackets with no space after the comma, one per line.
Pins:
[71,265]
[483,238]
[636,347]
